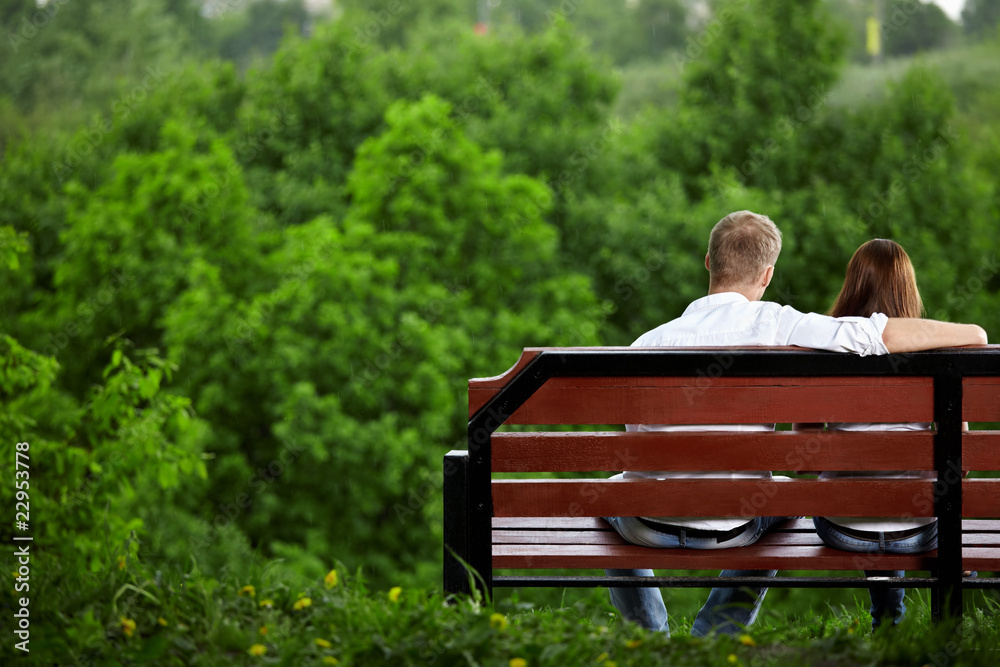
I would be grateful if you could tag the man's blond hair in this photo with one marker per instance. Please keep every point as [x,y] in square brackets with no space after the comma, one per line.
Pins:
[741,246]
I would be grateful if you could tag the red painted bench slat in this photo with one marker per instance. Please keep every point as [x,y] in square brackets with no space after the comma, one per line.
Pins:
[616,451]
[727,401]
[711,497]
[549,523]
[981,498]
[981,399]
[981,450]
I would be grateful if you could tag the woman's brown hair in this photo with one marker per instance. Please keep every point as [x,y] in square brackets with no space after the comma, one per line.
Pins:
[880,279]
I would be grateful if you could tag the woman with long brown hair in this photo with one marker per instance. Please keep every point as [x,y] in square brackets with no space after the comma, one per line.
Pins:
[880,279]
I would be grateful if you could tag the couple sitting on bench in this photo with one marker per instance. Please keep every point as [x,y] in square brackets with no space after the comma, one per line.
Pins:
[877,312]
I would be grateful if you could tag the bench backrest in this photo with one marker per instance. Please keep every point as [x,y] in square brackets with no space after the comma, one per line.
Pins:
[594,386]
[558,386]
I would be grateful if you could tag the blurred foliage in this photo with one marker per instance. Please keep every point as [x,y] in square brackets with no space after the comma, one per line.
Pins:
[622,30]
[906,26]
[981,17]
[255,33]
[241,298]
[348,369]
[66,60]
[389,23]
[913,27]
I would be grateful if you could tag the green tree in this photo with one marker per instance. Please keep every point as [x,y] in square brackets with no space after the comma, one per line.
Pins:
[334,93]
[660,186]
[766,63]
[333,393]
[980,17]
[64,59]
[133,238]
[390,23]
[38,171]
[853,17]
[907,26]
[620,30]
[913,27]
[664,24]
[256,32]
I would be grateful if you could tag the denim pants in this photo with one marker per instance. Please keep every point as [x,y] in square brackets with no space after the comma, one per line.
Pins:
[727,610]
[885,601]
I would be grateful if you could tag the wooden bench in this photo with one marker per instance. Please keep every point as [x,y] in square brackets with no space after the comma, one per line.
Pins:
[554,523]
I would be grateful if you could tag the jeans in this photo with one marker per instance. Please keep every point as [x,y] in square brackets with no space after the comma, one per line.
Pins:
[727,610]
[885,601]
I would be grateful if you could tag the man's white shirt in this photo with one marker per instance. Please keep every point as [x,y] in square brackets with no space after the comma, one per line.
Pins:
[729,318]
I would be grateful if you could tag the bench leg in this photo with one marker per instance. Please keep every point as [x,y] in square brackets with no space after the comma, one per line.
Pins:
[946,599]
[456,522]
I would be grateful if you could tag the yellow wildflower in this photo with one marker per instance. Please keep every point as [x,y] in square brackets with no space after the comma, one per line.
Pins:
[330,579]
[267,603]
[248,590]
[121,562]
[498,621]
[732,659]
[302,603]
[394,593]
[330,660]
[257,649]
[162,621]
[128,626]
[322,643]
[747,640]
[611,663]
[517,662]
[633,643]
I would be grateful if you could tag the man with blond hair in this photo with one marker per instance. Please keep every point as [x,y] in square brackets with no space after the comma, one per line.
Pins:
[742,251]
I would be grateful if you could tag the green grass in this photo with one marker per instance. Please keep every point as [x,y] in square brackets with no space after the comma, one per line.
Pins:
[185,617]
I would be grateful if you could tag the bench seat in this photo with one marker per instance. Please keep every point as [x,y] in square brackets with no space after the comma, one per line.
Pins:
[591,543]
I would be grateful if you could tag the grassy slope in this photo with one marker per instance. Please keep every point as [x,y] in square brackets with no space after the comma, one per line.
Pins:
[972,72]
